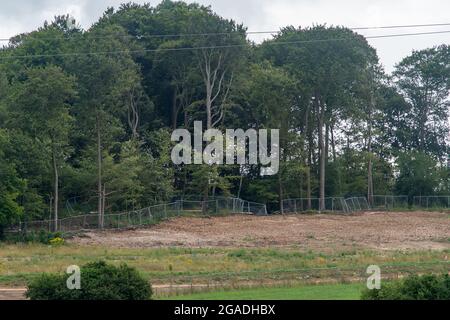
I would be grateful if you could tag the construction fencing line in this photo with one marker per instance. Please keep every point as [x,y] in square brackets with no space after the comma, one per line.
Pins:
[143,217]
[430,202]
[359,204]
[225,206]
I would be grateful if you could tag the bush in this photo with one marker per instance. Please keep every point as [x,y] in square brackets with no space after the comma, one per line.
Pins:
[427,287]
[57,241]
[42,236]
[99,281]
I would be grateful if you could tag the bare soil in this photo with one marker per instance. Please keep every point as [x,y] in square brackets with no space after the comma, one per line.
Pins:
[12,293]
[371,230]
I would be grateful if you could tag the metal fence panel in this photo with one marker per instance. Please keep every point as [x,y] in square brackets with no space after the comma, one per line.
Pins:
[146,216]
[432,202]
[304,205]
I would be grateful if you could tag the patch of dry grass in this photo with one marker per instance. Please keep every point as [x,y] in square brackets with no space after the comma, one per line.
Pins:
[23,261]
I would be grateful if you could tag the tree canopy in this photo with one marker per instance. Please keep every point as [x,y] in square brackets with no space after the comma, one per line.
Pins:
[86,115]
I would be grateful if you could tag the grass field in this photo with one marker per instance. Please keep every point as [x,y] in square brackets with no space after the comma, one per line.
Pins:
[226,256]
[21,262]
[314,292]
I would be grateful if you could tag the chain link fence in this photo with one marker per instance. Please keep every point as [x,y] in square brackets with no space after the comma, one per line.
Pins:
[432,202]
[221,206]
[335,204]
[356,204]
[342,205]
[389,202]
[146,216]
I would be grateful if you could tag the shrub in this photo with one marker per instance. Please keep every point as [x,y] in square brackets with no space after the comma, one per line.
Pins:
[99,281]
[57,241]
[426,287]
[42,236]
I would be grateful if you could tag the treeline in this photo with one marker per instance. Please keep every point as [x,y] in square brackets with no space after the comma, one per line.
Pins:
[86,115]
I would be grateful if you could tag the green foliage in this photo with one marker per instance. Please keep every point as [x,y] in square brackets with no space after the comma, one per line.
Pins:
[56,241]
[99,281]
[423,79]
[10,188]
[425,287]
[418,176]
[103,121]
[294,292]
[43,237]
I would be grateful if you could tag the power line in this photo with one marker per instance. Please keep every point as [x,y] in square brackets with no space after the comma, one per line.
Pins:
[404,26]
[217,47]
[207,34]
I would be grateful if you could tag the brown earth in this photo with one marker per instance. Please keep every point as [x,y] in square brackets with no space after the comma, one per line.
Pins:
[371,230]
[12,293]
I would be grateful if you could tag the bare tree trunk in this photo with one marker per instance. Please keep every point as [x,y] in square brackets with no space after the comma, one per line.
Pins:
[423,116]
[205,199]
[133,115]
[174,109]
[208,106]
[280,192]
[56,188]
[308,171]
[333,143]
[213,77]
[369,152]
[308,159]
[99,174]
[327,143]
[308,187]
[322,154]
[240,185]
[103,205]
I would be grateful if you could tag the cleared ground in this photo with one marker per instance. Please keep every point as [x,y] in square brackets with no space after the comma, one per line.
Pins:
[12,293]
[325,233]
[188,254]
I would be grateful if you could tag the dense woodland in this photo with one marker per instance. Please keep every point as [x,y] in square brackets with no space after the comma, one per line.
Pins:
[86,115]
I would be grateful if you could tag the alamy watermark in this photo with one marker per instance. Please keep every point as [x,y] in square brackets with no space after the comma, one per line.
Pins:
[236,146]
[374,280]
[73,282]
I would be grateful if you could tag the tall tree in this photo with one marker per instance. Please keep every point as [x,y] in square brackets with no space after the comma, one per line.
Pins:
[218,58]
[326,70]
[42,109]
[107,82]
[424,79]
[10,188]
[268,95]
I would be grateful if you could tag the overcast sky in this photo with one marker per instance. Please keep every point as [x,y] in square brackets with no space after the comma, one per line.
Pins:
[260,15]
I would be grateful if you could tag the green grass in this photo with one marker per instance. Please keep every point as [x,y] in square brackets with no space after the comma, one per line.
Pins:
[21,262]
[314,292]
